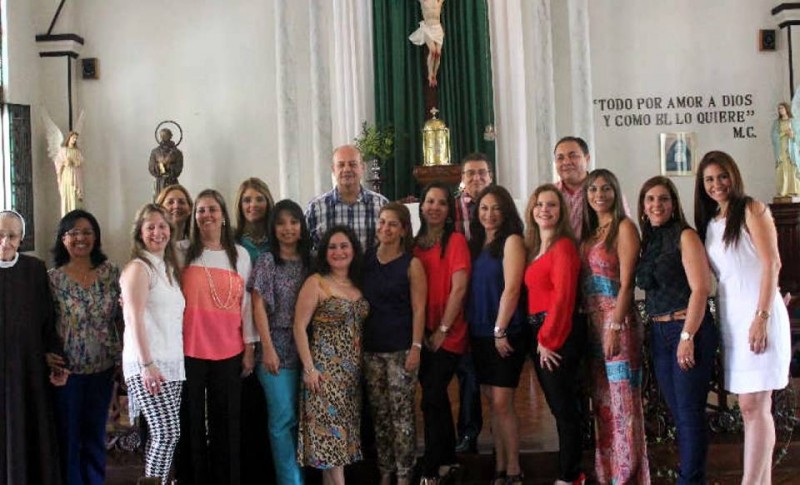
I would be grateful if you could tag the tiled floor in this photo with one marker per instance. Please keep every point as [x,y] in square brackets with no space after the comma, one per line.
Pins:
[538,443]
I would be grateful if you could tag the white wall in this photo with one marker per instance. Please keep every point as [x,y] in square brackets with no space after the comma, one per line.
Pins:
[685,47]
[212,66]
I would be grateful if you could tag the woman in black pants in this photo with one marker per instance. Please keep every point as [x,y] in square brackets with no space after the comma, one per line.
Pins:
[552,281]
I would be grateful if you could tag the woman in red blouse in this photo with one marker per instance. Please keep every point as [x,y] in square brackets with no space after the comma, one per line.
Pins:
[552,281]
[445,256]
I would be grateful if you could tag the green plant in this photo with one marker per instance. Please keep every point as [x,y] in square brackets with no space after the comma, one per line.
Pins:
[375,143]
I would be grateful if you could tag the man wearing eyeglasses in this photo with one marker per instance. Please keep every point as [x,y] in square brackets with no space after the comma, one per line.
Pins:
[476,175]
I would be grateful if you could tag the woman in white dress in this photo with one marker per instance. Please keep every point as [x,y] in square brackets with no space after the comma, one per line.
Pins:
[742,247]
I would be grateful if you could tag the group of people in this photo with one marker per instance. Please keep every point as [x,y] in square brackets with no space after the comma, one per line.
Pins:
[267,339]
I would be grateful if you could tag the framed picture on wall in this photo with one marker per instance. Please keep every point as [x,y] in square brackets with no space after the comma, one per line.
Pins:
[678,153]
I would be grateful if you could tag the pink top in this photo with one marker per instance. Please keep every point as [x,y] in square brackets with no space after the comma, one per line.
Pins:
[218,318]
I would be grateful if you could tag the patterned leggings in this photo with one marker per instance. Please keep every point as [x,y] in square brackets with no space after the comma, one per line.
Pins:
[163,420]
[390,390]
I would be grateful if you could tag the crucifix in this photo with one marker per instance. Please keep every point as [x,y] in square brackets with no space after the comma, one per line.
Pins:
[430,34]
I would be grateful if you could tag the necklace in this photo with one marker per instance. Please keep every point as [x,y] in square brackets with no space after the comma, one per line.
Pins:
[429,240]
[340,281]
[601,230]
[230,300]
[387,259]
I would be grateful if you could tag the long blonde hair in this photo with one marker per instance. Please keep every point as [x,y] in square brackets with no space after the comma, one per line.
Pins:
[138,247]
[533,237]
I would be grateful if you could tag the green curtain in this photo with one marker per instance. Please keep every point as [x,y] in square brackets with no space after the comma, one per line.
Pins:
[465,83]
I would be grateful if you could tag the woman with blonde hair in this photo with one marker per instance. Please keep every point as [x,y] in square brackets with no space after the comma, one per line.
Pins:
[152,356]
[551,279]
[177,202]
[254,204]
[253,208]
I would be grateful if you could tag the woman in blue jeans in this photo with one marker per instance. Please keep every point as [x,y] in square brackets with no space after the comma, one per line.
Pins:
[674,272]
[276,279]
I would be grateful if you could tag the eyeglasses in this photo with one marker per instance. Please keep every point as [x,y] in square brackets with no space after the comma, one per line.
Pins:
[76,233]
[471,173]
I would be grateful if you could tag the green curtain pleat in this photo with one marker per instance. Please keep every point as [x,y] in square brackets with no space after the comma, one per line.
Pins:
[465,83]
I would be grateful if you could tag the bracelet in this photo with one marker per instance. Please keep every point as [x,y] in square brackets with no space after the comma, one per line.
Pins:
[308,372]
[500,337]
[614,326]
[145,366]
[763,314]
[417,345]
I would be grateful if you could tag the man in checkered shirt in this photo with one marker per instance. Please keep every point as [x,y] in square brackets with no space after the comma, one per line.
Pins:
[348,203]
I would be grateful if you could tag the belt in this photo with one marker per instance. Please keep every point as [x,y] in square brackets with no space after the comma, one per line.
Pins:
[671,317]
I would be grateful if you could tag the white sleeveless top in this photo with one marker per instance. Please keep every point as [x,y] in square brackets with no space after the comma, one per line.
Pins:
[163,320]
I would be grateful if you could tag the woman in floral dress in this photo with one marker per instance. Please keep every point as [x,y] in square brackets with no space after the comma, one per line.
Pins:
[609,251]
[330,406]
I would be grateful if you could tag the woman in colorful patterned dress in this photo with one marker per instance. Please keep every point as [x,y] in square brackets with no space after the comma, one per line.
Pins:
[275,283]
[86,290]
[609,251]
[331,302]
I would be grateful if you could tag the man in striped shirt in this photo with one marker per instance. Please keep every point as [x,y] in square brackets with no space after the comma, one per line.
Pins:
[348,203]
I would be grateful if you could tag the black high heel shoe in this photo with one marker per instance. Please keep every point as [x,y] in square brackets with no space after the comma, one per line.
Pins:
[499,476]
[515,479]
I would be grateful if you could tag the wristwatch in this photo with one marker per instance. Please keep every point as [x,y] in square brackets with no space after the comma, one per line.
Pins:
[762,314]
[686,336]
[444,328]
[499,331]
[615,326]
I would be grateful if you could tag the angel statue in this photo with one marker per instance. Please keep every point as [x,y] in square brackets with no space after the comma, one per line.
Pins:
[785,130]
[68,162]
[430,33]
[166,160]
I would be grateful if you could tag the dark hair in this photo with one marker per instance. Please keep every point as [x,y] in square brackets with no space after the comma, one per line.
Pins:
[291,208]
[512,224]
[162,197]
[580,141]
[403,214]
[476,157]
[138,247]
[261,187]
[563,229]
[705,208]
[61,255]
[226,238]
[590,222]
[677,210]
[449,223]
[354,271]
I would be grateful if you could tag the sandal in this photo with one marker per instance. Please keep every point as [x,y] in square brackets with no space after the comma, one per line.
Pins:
[499,478]
[519,478]
[452,476]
